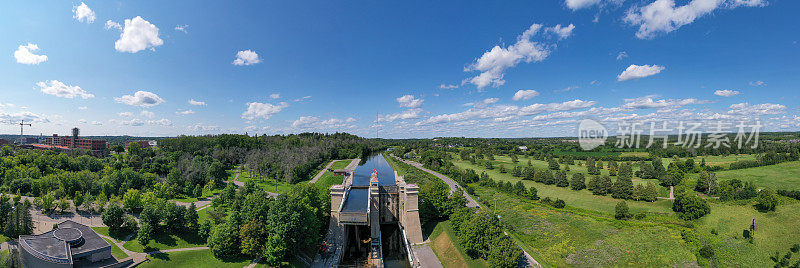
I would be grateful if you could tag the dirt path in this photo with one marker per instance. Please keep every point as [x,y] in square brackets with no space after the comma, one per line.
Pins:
[322,171]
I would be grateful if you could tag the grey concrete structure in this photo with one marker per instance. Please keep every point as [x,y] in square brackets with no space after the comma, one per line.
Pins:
[67,245]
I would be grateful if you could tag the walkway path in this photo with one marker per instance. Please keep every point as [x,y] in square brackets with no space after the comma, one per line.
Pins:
[175,250]
[450,182]
[671,194]
[425,256]
[322,171]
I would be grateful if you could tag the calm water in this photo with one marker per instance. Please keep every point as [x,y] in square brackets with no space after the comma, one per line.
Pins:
[357,198]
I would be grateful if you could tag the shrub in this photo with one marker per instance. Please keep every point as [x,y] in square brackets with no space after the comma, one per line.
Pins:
[714,232]
[559,204]
[621,211]
[746,234]
[640,216]
[766,201]
[690,207]
[795,248]
[707,251]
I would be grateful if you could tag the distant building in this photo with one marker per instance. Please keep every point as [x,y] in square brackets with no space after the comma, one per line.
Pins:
[70,245]
[523,148]
[143,144]
[4,142]
[96,146]
[27,140]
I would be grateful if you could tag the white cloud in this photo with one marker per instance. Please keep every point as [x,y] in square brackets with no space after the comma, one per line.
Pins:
[125,114]
[59,89]
[505,111]
[83,108]
[578,4]
[197,103]
[257,110]
[525,94]
[82,121]
[304,121]
[303,98]
[148,114]
[24,54]
[110,24]
[493,63]
[25,115]
[138,35]
[182,28]
[184,112]
[726,93]
[204,128]
[161,122]
[758,83]
[622,55]
[97,123]
[647,102]
[664,16]
[274,96]
[141,99]
[312,122]
[569,88]
[409,101]
[83,13]
[486,102]
[639,71]
[561,31]
[246,57]
[756,109]
[404,115]
[443,86]
[133,122]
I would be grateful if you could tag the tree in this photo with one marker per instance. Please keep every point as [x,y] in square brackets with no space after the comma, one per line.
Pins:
[621,211]
[150,215]
[132,200]
[224,240]
[112,217]
[622,188]
[551,163]
[145,234]
[63,204]
[504,253]
[502,169]
[198,191]
[690,206]
[602,185]
[533,194]
[578,182]
[706,183]
[191,217]
[204,231]
[561,178]
[766,200]
[173,217]
[253,238]
[78,200]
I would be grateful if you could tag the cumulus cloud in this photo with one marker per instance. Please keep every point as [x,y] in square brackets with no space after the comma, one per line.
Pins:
[664,16]
[726,93]
[24,54]
[246,57]
[756,109]
[148,114]
[443,86]
[141,99]
[274,96]
[639,71]
[404,115]
[110,24]
[184,112]
[525,94]
[25,115]
[561,31]
[312,122]
[648,102]
[125,114]
[83,108]
[758,83]
[59,89]
[257,110]
[622,55]
[83,13]
[493,63]
[197,103]
[409,101]
[138,35]
[182,28]
[303,98]
[506,112]
[161,122]
[578,4]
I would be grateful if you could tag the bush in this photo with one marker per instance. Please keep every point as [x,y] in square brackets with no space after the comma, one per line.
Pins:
[707,251]
[690,207]
[714,232]
[621,211]
[746,234]
[559,203]
[766,201]
[795,248]
[640,216]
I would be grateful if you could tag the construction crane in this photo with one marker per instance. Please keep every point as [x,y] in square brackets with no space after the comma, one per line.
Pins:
[21,124]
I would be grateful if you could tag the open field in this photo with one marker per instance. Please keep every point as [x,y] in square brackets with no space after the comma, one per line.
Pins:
[163,241]
[117,252]
[268,185]
[785,176]
[777,231]
[560,237]
[329,179]
[580,199]
[443,242]
[193,259]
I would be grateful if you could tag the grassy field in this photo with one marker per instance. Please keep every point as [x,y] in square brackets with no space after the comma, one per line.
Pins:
[163,240]
[561,237]
[580,199]
[784,176]
[269,185]
[442,241]
[104,231]
[117,252]
[777,231]
[193,259]
[329,179]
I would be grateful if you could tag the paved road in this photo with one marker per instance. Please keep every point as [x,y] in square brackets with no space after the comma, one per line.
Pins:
[425,256]
[450,182]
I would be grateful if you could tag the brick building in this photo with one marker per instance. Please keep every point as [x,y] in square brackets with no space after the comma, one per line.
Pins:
[74,143]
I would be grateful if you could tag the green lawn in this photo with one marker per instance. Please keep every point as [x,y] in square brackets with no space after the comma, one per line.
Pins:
[104,231]
[116,251]
[327,180]
[443,242]
[3,254]
[269,185]
[192,259]
[580,199]
[3,238]
[206,194]
[785,176]
[563,237]
[339,164]
[166,241]
[777,231]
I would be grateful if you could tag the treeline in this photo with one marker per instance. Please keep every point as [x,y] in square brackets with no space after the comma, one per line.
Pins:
[481,235]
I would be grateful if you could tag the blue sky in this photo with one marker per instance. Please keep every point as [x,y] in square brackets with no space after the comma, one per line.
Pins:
[423,69]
